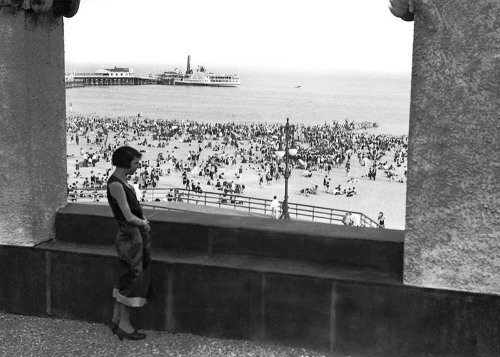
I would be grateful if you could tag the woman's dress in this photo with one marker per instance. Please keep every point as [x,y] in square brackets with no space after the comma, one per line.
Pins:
[133,245]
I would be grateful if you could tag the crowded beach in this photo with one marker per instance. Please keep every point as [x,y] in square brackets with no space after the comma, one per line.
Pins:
[346,165]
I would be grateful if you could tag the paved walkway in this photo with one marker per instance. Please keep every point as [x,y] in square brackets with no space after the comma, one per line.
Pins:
[22,336]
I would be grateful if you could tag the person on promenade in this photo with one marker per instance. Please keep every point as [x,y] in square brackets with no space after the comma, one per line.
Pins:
[274,207]
[132,242]
[381,220]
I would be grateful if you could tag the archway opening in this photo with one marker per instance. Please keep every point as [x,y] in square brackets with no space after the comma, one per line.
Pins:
[333,70]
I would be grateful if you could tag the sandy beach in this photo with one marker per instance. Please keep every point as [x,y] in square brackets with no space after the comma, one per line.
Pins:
[372,197]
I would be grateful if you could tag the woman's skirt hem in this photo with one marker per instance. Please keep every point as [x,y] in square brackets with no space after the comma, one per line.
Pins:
[129,301]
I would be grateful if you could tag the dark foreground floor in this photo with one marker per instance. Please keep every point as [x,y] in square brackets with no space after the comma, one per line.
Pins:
[33,336]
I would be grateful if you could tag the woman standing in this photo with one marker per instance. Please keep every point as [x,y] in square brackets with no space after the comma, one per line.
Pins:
[381,220]
[132,244]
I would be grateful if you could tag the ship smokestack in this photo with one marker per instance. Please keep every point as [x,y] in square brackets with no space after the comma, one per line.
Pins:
[189,64]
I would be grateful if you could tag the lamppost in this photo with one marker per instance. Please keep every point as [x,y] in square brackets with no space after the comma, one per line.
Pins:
[288,131]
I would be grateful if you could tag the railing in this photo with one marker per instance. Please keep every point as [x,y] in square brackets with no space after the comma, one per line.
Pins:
[237,202]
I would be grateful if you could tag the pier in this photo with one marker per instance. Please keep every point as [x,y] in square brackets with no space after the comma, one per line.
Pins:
[117,76]
[73,83]
[95,79]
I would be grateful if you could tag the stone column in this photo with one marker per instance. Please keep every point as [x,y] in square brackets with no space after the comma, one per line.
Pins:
[453,194]
[32,116]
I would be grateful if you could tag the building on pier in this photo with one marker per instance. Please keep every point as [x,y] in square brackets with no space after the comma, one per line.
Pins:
[114,76]
[116,72]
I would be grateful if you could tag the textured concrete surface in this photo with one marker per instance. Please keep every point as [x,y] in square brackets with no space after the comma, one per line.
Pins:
[453,195]
[325,307]
[372,250]
[32,116]
[34,336]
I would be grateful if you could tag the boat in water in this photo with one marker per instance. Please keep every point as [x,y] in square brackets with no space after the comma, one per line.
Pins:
[203,78]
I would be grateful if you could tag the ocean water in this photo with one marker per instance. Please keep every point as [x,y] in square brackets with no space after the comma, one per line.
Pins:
[263,97]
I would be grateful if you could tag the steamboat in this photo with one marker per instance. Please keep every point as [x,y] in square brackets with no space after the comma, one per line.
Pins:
[203,78]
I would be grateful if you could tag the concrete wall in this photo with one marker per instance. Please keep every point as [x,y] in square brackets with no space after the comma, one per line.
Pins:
[362,249]
[453,195]
[32,117]
[344,306]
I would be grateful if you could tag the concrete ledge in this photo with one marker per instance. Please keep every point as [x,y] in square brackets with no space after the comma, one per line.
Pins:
[374,250]
[295,283]
[223,296]
[237,262]
[250,222]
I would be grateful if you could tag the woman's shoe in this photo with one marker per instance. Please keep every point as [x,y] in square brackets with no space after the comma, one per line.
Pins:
[129,336]
[113,327]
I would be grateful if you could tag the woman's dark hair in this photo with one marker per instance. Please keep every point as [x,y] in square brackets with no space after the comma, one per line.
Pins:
[123,156]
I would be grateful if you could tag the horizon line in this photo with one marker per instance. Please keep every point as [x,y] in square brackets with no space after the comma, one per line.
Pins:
[148,67]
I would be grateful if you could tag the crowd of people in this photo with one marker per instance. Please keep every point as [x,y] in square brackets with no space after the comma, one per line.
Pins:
[219,148]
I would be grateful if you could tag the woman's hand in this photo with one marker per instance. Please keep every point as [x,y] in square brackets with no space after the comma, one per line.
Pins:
[146,226]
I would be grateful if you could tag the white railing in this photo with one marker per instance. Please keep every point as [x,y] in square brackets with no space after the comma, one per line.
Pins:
[234,201]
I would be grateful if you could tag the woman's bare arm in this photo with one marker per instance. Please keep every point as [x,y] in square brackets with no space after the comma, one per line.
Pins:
[116,190]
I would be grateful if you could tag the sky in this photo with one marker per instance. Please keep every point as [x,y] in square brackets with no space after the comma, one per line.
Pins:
[234,35]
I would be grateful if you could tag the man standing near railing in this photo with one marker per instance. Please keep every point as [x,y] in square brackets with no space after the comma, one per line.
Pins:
[274,207]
